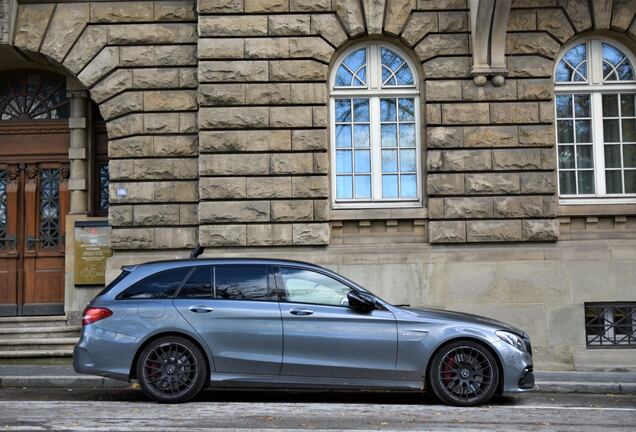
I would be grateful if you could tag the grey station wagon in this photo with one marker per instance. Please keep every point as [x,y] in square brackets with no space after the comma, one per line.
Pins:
[179,326]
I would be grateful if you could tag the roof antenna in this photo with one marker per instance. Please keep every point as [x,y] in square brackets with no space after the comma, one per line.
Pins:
[197,251]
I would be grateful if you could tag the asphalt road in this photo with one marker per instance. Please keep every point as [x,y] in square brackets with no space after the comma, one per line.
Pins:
[127,410]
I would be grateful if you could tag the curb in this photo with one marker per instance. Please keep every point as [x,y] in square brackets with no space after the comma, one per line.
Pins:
[585,387]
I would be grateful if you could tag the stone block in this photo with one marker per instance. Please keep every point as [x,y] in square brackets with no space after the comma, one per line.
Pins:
[309,5]
[132,238]
[455,21]
[170,100]
[518,206]
[538,182]
[290,117]
[447,67]
[435,208]
[445,137]
[188,122]
[222,235]
[578,13]
[434,161]
[321,163]
[266,5]
[269,187]
[443,90]
[292,210]
[534,89]
[221,141]
[312,47]
[328,26]
[516,159]
[221,48]
[131,124]
[233,164]
[442,4]
[350,13]
[234,211]
[470,282]
[310,187]
[319,116]
[137,146]
[233,70]
[119,12]
[221,94]
[532,43]
[155,78]
[183,145]
[493,231]
[156,214]
[175,237]
[176,191]
[447,231]
[120,215]
[292,163]
[174,10]
[233,118]
[121,104]
[445,184]
[522,20]
[219,6]
[321,210]
[121,169]
[268,140]
[309,139]
[222,187]
[269,235]
[433,114]
[536,135]
[233,25]
[556,23]
[131,34]
[188,214]
[396,14]
[514,112]
[529,66]
[260,48]
[161,123]
[546,112]
[297,70]
[465,113]
[419,25]
[66,25]
[472,92]
[468,208]
[310,234]
[548,159]
[467,160]
[90,42]
[188,78]
[268,94]
[540,230]
[491,183]
[308,93]
[103,63]
[31,24]
[135,192]
[442,44]
[490,136]
[288,25]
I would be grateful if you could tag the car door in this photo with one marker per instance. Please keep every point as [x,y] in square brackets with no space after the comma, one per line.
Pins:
[234,308]
[324,337]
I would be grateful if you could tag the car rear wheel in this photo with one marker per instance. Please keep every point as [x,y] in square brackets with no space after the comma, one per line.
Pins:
[171,370]
[464,373]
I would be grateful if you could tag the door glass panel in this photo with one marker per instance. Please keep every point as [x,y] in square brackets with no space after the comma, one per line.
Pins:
[160,285]
[304,286]
[198,285]
[103,186]
[3,208]
[242,283]
[49,207]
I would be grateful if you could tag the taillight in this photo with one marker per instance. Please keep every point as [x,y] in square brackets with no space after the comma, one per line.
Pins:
[94,314]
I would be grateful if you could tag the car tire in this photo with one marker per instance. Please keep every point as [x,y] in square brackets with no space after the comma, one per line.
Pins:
[463,373]
[171,369]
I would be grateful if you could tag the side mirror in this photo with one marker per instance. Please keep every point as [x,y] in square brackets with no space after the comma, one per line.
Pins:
[361,301]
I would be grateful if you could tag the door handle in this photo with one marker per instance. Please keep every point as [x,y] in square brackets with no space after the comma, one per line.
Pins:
[201,309]
[301,311]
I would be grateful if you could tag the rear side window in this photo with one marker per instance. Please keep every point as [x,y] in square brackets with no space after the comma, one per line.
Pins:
[198,284]
[160,285]
[243,283]
[114,282]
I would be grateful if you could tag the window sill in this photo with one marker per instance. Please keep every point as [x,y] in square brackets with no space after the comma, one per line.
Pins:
[597,207]
[378,213]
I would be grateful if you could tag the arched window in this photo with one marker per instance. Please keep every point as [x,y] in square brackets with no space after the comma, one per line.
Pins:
[595,86]
[33,95]
[375,123]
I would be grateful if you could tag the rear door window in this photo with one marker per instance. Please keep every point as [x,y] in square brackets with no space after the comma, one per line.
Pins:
[243,282]
[160,285]
[198,284]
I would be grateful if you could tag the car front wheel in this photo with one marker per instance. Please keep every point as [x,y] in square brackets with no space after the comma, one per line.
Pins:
[171,369]
[464,373]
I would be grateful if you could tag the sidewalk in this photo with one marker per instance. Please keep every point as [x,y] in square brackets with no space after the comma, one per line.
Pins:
[547,382]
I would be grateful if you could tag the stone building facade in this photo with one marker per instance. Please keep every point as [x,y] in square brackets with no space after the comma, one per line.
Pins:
[221,132]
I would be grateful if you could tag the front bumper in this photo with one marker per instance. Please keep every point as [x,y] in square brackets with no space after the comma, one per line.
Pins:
[518,375]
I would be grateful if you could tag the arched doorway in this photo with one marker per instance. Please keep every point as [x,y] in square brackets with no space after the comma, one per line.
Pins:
[34,190]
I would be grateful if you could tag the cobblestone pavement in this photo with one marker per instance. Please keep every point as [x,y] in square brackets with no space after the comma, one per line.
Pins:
[126,409]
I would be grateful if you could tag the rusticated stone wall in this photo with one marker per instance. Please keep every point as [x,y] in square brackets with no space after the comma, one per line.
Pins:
[4,21]
[138,60]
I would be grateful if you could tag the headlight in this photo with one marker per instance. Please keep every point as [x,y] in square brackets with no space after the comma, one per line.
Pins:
[512,339]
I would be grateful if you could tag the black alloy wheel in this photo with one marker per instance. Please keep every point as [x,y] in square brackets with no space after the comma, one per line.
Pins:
[171,370]
[464,373]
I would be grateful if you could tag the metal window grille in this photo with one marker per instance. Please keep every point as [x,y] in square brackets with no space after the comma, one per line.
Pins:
[610,325]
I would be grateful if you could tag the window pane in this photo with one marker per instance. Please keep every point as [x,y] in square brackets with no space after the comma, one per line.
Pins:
[304,286]
[387,110]
[343,110]
[629,130]
[391,59]
[625,71]
[565,131]
[408,185]
[613,182]
[343,161]
[611,131]
[407,160]
[343,136]
[162,285]
[628,107]
[389,160]
[361,135]
[584,157]
[242,283]
[564,106]
[343,77]
[610,105]
[629,155]
[404,76]
[630,181]
[198,285]
[362,161]
[567,182]
[390,186]
[356,59]
[583,132]
[566,156]
[389,138]
[407,135]
[582,105]
[361,110]
[407,110]
[613,156]
[363,186]
[586,182]
[344,187]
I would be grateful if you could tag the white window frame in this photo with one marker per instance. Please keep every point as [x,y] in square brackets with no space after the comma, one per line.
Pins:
[373,91]
[595,88]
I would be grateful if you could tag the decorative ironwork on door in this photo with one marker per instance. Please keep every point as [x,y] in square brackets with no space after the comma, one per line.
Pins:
[49,231]
[3,209]
[29,95]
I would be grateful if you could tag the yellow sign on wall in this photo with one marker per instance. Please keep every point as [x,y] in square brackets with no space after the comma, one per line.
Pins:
[92,248]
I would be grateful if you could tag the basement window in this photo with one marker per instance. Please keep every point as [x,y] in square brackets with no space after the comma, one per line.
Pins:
[610,325]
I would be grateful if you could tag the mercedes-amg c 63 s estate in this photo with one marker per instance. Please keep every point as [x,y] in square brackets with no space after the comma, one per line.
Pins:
[179,326]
